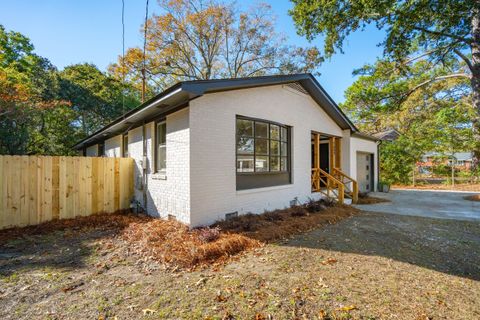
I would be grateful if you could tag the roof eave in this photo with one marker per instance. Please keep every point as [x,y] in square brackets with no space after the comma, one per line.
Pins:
[175,96]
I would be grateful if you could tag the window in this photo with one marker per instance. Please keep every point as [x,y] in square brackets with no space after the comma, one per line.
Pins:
[261,146]
[125,145]
[161,147]
[101,149]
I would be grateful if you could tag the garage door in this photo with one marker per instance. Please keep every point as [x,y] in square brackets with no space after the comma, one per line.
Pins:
[365,171]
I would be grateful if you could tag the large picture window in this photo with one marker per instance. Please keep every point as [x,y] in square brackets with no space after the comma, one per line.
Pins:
[161,146]
[262,146]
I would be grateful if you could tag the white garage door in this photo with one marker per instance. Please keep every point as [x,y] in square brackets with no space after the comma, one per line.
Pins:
[365,171]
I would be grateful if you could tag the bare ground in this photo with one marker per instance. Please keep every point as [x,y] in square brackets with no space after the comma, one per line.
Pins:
[369,266]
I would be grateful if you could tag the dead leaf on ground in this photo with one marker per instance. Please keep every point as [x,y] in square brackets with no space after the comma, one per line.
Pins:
[329,261]
[260,316]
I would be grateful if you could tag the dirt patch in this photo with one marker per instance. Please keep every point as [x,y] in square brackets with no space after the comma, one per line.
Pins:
[475,197]
[367,199]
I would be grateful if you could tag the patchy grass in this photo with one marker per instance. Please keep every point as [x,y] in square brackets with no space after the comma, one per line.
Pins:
[475,197]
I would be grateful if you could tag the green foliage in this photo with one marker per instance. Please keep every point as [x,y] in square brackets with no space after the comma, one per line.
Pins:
[43,111]
[96,97]
[444,34]
[410,25]
[398,158]
[434,117]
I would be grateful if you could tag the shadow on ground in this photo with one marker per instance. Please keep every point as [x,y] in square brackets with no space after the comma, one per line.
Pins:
[448,246]
[62,250]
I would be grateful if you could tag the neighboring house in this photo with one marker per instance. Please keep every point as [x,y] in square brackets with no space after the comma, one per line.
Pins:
[461,160]
[388,135]
[208,150]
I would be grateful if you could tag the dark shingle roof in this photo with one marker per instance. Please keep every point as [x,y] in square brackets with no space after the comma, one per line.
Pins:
[178,96]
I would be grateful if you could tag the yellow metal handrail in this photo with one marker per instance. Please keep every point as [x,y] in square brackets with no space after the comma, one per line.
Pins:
[320,177]
[346,180]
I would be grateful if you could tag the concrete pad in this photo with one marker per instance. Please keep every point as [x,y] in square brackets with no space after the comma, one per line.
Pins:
[424,203]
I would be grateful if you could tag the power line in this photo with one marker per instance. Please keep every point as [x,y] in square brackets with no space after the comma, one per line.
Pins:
[123,56]
[144,49]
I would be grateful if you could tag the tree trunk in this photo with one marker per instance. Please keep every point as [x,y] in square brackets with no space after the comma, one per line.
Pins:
[475,82]
[453,174]
[413,174]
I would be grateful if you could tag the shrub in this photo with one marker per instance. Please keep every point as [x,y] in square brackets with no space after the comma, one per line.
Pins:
[298,211]
[208,234]
[320,205]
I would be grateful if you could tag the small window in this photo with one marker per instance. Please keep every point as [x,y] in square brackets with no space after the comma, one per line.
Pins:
[125,145]
[161,147]
[101,149]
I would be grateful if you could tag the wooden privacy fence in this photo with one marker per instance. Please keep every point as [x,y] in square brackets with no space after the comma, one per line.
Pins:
[35,189]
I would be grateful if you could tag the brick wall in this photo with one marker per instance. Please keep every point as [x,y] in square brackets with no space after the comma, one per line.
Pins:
[212,125]
[167,194]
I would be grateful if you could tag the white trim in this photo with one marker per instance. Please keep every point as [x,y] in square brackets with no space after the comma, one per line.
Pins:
[265,189]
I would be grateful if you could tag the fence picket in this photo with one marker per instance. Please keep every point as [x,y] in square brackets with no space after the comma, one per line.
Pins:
[36,189]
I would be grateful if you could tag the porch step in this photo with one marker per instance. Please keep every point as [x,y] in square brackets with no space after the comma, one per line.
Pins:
[347,201]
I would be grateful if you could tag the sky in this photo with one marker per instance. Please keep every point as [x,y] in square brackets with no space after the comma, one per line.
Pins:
[68,32]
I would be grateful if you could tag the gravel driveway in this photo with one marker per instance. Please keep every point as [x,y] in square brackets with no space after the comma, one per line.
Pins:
[430,204]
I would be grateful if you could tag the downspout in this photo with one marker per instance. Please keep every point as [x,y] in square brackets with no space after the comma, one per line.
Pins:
[144,166]
[378,163]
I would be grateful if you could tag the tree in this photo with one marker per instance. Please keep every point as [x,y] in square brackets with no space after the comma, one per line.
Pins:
[451,131]
[28,98]
[384,97]
[96,97]
[43,111]
[437,30]
[197,40]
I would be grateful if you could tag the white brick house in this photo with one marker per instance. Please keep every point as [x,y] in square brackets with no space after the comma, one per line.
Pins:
[206,149]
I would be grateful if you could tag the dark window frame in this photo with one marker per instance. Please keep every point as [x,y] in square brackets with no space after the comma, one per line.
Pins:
[101,149]
[280,141]
[155,146]
[125,145]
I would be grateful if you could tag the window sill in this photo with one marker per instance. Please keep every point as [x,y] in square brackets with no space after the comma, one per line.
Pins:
[265,189]
[159,176]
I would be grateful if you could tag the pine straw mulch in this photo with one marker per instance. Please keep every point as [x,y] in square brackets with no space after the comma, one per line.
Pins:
[179,247]
[101,222]
[280,224]
[473,197]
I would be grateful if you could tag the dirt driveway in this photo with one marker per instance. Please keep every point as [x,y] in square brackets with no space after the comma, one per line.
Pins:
[440,204]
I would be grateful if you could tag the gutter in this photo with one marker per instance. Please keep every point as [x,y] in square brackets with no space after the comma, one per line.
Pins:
[122,120]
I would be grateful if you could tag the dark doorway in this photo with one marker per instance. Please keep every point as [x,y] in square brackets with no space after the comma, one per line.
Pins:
[324,157]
